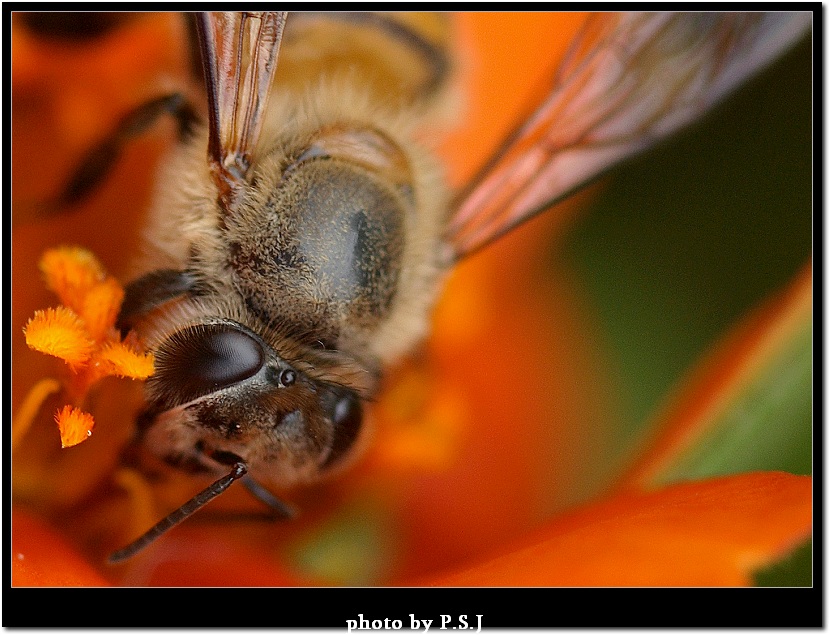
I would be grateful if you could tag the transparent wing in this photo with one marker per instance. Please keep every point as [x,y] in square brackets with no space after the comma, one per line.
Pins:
[239,54]
[628,80]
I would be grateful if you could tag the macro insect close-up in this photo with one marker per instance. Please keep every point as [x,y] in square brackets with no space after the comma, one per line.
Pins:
[405,293]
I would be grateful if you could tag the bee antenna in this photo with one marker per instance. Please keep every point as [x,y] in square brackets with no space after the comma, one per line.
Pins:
[201,499]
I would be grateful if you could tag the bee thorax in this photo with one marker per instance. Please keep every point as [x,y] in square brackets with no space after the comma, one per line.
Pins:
[323,256]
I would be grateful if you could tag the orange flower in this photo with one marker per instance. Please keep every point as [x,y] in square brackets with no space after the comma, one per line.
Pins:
[83,334]
[505,453]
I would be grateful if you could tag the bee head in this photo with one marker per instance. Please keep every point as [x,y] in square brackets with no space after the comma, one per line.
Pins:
[219,389]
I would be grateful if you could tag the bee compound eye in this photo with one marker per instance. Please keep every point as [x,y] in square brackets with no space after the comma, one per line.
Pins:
[346,411]
[347,417]
[205,358]
[224,357]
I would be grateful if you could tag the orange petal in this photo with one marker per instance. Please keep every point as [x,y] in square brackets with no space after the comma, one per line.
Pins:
[70,272]
[204,556]
[40,557]
[422,425]
[119,359]
[59,332]
[705,533]
[75,426]
[693,414]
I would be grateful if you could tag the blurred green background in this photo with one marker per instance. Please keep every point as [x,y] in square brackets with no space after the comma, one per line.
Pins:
[687,238]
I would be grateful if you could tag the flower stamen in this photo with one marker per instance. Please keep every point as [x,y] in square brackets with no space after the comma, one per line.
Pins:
[82,333]
[74,424]
[22,420]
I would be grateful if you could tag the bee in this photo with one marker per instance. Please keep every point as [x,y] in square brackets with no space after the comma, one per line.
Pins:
[301,235]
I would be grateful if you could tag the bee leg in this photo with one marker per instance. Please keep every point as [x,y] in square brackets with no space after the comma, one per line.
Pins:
[280,509]
[99,161]
[150,291]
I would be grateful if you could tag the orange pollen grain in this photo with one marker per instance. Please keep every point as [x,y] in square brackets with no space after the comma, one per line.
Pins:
[61,333]
[119,359]
[75,425]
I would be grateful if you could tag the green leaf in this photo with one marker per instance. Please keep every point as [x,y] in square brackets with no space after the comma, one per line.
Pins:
[794,570]
[767,425]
